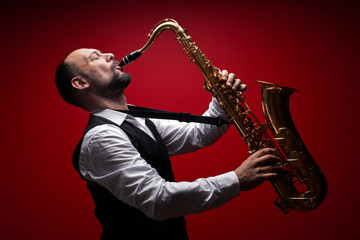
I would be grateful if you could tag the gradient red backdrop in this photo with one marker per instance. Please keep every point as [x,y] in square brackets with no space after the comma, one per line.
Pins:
[309,45]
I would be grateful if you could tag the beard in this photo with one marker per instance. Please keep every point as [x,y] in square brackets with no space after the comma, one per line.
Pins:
[117,84]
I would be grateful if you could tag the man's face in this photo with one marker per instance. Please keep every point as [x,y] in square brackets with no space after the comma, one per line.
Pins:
[101,70]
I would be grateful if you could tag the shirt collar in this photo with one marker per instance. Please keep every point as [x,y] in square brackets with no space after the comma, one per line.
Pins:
[119,117]
[112,115]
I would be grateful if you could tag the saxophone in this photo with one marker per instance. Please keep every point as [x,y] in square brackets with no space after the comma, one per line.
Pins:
[302,186]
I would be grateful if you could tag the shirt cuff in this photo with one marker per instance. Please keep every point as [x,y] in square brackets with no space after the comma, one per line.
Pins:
[217,110]
[229,185]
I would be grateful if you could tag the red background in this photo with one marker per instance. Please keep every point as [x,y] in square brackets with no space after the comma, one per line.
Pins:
[308,45]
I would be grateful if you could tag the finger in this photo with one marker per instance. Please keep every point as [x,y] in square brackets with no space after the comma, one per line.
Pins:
[231,80]
[269,176]
[267,160]
[270,169]
[243,87]
[224,75]
[264,151]
[237,84]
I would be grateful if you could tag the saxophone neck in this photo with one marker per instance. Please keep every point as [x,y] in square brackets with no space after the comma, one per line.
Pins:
[165,24]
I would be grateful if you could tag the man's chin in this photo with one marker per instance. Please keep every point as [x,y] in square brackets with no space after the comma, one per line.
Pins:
[120,83]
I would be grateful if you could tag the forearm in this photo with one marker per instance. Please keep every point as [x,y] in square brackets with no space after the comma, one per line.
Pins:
[160,200]
[183,198]
[181,138]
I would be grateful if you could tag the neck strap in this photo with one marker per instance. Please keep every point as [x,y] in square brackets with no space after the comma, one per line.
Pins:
[136,111]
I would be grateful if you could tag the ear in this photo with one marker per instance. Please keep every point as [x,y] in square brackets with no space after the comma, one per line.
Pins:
[79,83]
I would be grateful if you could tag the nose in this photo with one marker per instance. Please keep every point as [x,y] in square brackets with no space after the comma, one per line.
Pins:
[109,57]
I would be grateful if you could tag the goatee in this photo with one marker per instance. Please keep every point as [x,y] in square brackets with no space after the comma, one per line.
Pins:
[119,82]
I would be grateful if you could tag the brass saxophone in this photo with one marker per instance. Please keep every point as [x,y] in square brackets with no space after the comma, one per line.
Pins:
[303,186]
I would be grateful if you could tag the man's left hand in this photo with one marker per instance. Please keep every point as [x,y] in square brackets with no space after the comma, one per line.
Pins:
[230,81]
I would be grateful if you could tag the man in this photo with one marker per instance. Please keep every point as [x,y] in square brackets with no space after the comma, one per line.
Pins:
[125,159]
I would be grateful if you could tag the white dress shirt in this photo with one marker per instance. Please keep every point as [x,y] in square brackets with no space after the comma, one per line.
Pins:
[108,158]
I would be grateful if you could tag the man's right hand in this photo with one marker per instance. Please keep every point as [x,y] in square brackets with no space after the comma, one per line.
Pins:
[258,168]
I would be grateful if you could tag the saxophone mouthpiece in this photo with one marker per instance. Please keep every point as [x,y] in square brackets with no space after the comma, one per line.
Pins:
[130,58]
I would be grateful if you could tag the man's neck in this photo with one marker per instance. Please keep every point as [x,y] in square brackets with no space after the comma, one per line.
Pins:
[116,106]
[116,103]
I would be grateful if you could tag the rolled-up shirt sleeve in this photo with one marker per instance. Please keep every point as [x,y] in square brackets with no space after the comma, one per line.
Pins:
[108,158]
[181,138]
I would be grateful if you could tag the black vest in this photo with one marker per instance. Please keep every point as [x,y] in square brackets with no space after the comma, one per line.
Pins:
[119,220]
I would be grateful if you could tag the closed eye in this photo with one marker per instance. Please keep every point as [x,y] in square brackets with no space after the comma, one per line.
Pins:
[95,55]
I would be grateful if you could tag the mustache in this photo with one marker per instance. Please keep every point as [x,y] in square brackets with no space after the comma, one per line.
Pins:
[115,63]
